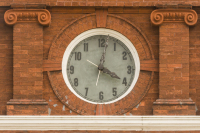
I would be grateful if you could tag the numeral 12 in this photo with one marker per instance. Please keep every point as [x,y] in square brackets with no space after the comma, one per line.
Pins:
[101,42]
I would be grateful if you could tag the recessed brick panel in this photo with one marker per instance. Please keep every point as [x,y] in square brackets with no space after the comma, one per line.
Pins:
[27,61]
[59,46]
[174,61]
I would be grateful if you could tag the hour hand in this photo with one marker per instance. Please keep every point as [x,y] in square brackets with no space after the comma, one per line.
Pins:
[112,74]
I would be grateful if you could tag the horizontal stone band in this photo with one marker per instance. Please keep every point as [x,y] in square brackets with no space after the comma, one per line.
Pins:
[99,123]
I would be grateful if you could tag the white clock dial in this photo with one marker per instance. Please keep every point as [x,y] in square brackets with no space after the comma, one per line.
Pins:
[100,86]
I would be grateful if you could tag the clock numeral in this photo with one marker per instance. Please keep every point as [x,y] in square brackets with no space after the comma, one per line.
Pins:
[124,55]
[114,46]
[85,46]
[75,82]
[101,95]
[114,91]
[71,69]
[124,81]
[86,91]
[102,42]
[77,55]
[129,69]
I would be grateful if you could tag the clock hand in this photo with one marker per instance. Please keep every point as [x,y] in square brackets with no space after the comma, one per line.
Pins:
[99,71]
[98,77]
[112,74]
[102,60]
[92,63]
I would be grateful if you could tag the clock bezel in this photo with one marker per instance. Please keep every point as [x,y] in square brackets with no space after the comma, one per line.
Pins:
[100,31]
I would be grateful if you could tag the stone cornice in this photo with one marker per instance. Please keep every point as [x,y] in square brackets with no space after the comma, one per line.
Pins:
[101,123]
[13,16]
[188,16]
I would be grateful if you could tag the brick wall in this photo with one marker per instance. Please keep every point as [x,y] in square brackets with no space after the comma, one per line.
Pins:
[174,64]
[186,75]
[105,3]
[6,55]
[194,58]
[63,16]
[140,17]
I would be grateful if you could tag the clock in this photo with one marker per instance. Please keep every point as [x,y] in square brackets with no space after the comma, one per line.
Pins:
[100,66]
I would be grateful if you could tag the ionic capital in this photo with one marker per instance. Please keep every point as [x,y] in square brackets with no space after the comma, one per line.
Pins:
[188,16]
[13,16]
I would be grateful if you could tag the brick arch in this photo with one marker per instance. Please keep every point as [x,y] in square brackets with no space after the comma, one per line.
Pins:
[76,27]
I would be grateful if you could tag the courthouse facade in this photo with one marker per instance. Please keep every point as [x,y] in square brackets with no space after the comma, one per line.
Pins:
[45,57]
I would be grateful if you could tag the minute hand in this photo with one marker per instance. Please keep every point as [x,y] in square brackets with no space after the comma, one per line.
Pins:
[102,60]
[112,74]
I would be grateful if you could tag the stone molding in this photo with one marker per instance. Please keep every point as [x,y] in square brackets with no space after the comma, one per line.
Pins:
[26,101]
[99,123]
[174,102]
[188,16]
[13,16]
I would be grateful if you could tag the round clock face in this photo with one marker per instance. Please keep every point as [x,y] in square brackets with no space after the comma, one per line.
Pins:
[105,83]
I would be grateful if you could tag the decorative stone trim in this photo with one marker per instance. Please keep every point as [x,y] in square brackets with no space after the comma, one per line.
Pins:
[26,101]
[174,102]
[13,16]
[188,16]
[99,123]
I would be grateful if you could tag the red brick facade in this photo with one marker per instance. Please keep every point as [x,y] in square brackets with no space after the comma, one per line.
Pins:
[34,36]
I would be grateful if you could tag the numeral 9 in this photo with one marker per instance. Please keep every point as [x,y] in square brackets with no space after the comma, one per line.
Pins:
[71,69]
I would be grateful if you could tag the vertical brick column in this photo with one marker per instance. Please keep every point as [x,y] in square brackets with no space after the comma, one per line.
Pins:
[174,61]
[27,61]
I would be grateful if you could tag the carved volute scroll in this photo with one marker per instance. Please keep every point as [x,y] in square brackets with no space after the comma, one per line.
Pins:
[188,16]
[13,16]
